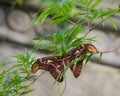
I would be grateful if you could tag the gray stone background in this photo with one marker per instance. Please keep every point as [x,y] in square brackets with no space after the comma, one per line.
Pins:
[98,78]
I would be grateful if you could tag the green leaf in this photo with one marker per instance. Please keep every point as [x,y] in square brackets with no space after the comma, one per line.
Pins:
[67,67]
[82,2]
[58,37]
[4,62]
[40,38]
[78,41]
[71,33]
[20,2]
[46,47]
[95,4]
[101,55]
[113,23]
[76,14]
[27,91]
[15,66]
[60,19]
[63,48]
[57,15]
[92,39]
[41,18]
[23,70]
[57,53]
[87,58]
[89,2]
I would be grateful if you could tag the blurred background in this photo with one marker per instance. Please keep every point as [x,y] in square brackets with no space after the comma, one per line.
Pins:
[98,78]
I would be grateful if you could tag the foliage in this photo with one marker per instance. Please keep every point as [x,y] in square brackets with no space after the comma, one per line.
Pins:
[13,80]
[67,10]
[20,2]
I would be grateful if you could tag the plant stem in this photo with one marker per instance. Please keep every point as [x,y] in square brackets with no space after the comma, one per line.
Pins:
[99,24]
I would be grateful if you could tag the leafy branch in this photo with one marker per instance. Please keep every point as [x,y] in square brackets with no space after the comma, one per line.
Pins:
[13,81]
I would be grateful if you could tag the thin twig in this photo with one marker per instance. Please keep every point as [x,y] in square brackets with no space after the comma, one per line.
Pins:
[36,78]
[64,87]
[99,24]
[70,21]
[111,50]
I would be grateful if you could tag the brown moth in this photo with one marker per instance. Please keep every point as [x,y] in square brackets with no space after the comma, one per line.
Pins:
[55,64]
[77,52]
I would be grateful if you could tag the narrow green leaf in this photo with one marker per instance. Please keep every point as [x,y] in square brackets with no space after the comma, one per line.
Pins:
[58,20]
[101,55]
[27,91]
[41,18]
[57,15]
[4,62]
[87,58]
[58,37]
[78,41]
[113,23]
[82,2]
[20,2]
[71,33]
[46,47]
[63,49]
[23,70]
[92,39]
[66,7]
[76,14]
[40,38]
[72,5]
[57,53]
[66,68]
[15,66]
[95,4]
[89,2]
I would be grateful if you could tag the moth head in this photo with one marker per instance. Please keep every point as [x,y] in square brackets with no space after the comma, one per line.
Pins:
[91,48]
[34,68]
